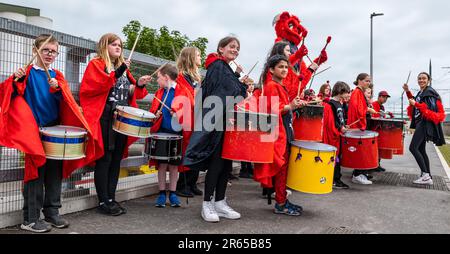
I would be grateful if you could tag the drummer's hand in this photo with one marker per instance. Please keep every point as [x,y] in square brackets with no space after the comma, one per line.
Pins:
[158,114]
[239,69]
[344,129]
[144,80]
[53,82]
[128,63]
[412,102]
[405,87]
[295,103]
[372,111]
[173,113]
[19,73]
[244,79]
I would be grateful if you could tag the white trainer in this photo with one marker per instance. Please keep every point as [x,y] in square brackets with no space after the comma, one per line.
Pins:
[224,210]
[361,179]
[425,179]
[209,213]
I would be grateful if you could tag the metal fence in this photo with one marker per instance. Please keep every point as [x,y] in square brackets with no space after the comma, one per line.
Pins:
[16,40]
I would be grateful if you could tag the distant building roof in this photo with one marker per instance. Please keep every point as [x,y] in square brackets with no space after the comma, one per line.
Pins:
[27,11]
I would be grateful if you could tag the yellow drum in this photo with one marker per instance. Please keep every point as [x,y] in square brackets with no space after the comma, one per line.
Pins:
[64,142]
[133,122]
[311,167]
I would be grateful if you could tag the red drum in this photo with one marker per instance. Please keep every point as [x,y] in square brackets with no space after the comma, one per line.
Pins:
[308,123]
[391,132]
[401,151]
[248,137]
[360,150]
[387,154]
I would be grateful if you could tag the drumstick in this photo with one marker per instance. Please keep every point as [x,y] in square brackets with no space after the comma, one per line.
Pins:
[320,57]
[162,103]
[34,57]
[43,64]
[409,75]
[350,125]
[134,46]
[160,67]
[322,71]
[248,74]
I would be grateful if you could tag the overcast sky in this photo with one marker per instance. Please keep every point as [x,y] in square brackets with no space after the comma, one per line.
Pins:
[405,38]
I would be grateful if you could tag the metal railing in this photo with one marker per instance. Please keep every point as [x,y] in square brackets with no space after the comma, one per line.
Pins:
[16,40]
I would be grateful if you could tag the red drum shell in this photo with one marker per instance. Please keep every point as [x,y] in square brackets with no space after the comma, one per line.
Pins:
[386,154]
[360,150]
[308,127]
[390,133]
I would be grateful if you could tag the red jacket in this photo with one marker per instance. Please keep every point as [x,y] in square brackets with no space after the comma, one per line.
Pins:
[331,135]
[263,173]
[427,114]
[19,130]
[183,106]
[94,92]
[357,109]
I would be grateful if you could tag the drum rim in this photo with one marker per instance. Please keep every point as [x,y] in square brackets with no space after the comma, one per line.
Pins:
[178,157]
[65,159]
[131,134]
[375,134]
[172,137]
[330,147]
[148,115]
[82,131]
[387,120]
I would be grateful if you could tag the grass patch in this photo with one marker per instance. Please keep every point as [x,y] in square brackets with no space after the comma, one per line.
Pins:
[445,150]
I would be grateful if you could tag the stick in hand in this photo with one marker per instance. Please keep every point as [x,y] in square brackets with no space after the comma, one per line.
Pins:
[42,61]
[350,125]
[134,46]
[162,103]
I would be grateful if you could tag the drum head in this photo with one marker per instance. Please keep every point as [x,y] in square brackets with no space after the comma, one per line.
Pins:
[311,110]
[63,131]
[389,122]
[136,112]
[162,135]
[314,146]
[360,134]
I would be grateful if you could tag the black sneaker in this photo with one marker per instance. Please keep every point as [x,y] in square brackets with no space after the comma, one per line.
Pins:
[185,193]
[380,169]
[109,209]
[369,177]
[39,226]
[232,177]
[196,191]
[123,209]
[339,185]
[246,175]
[57,222]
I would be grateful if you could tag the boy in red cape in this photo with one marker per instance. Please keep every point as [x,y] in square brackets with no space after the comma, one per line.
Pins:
[107,82]
[275,174]
[179,99]
[31,102]
[334,126]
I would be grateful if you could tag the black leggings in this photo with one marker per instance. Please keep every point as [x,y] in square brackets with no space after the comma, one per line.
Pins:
[418,149]
[217,175]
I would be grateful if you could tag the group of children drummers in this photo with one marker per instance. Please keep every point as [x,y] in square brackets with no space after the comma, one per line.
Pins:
[38,96]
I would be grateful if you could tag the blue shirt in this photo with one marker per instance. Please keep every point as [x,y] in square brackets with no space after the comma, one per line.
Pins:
[43,104]
[166,116]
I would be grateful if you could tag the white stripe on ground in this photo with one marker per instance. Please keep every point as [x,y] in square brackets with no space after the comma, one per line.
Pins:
[443,162]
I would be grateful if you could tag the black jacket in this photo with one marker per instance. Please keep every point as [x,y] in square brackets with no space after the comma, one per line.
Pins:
[220,81]
[434,132]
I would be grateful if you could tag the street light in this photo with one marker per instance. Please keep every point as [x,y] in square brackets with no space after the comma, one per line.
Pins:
[371,41]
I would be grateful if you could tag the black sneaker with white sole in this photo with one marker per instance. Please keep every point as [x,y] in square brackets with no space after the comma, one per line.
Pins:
[339,185]
[57,222]
[36,227]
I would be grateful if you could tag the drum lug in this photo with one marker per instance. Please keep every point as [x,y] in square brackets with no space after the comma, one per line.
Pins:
[331,160]
[299,157]
[318,159]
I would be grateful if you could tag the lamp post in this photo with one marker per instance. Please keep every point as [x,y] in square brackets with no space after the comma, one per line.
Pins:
[371,42]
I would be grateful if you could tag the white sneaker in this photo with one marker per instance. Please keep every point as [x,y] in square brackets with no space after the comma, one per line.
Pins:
[288,193]
[209,213]
[361,179]
[425,179]
[223,210]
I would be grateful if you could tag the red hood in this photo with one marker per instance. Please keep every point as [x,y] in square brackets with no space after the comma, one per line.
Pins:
[212,58]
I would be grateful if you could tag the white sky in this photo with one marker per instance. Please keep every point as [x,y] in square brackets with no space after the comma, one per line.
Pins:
[405,38]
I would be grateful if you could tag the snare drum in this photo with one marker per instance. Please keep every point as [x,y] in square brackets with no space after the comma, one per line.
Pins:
[64,142]
[360,150]
[247,137]
[311,167]
[308,126]
[164,146]
[133,122]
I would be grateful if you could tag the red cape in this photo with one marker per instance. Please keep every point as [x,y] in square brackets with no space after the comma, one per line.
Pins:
[19,130]
[263,173]
[357,109]
[94,92]
[183,105]
[331,135]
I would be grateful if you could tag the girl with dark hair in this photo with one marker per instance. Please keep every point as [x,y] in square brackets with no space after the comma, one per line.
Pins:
[427,114]
[204,151]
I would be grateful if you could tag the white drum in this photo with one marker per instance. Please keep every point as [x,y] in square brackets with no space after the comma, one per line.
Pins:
[64,142]
[133,121]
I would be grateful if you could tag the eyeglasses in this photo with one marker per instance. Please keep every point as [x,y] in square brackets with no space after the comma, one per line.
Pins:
[50,52]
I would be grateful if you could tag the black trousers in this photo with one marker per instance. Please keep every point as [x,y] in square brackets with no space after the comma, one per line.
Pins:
[107,168]
[217,175]
[188,180]
[43,192]
[246,168]
[418,149]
